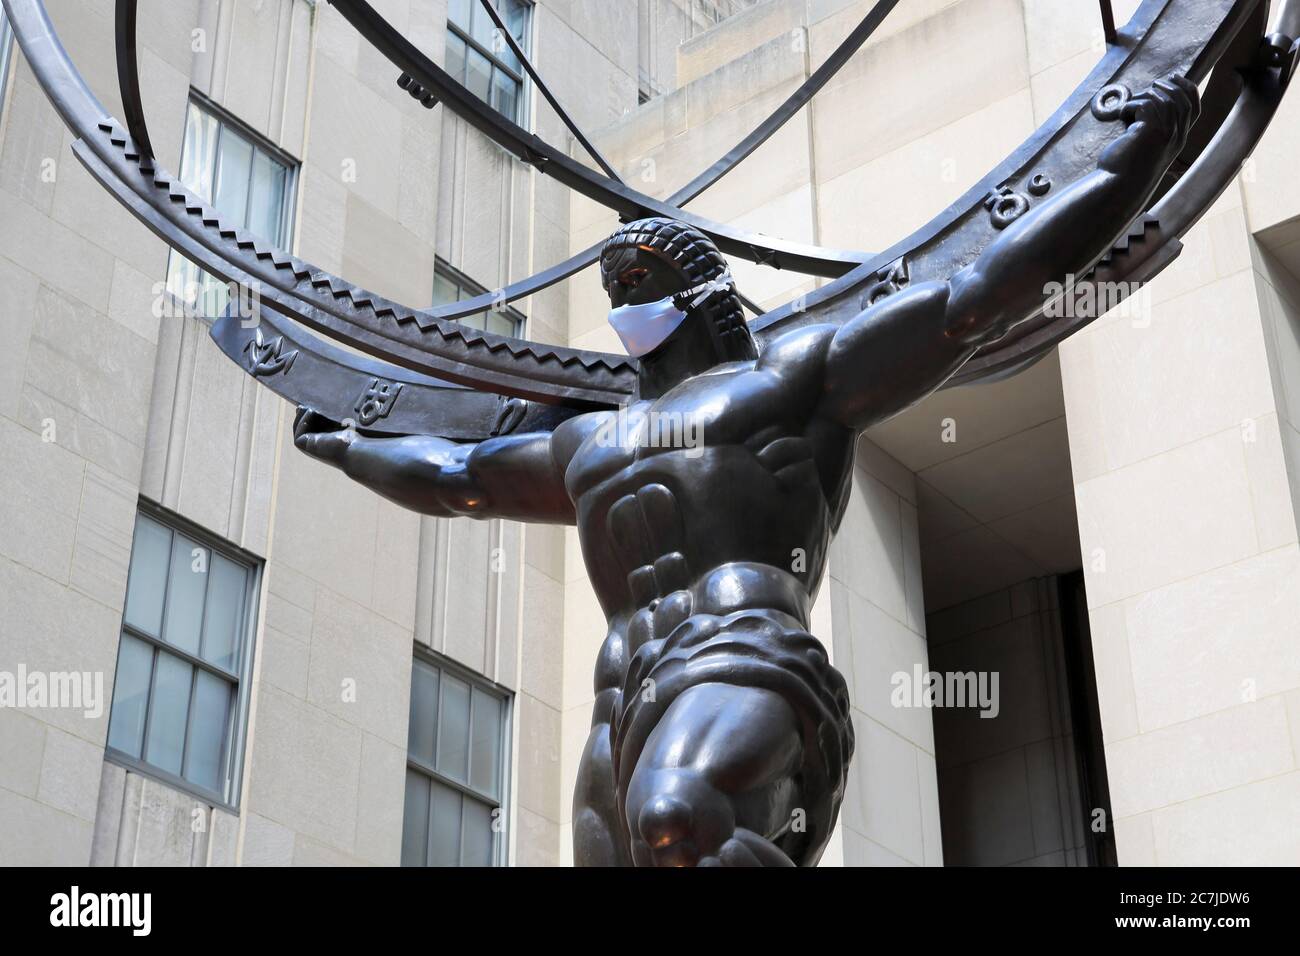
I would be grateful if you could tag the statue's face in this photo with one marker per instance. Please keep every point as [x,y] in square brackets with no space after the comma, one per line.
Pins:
[641,276]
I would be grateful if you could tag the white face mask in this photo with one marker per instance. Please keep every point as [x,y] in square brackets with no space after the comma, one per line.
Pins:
[643,328]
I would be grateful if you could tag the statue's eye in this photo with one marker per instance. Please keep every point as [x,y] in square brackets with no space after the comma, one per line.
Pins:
[632,278]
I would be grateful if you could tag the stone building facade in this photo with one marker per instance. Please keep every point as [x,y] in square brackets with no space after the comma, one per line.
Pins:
[1157,452]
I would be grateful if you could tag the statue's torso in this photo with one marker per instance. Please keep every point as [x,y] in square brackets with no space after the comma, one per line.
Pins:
[728,484]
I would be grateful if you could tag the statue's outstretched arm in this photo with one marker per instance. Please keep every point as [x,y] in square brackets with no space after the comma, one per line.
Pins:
[901,349]
[512,476]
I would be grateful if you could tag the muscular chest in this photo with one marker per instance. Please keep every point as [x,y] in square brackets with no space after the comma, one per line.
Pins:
[684,431]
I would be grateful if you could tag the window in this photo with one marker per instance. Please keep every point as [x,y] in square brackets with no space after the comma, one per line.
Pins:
[177,697]
[455,769]
[482,60]
[451,285]
[247,180]
[6,38]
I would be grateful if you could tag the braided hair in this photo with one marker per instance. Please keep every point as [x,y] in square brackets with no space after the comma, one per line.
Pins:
[693,254]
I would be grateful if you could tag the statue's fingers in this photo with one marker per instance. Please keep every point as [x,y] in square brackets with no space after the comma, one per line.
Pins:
[1166,85]
[1191,96]
[1164,93]
[299,418]
[1138,109]
[1187,99]
[509,416]
[1188,87]
[307,441]
[1176,96]
[309,420]
[327,446]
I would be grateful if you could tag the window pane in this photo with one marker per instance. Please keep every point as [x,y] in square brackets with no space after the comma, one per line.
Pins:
[182,277]
[507,56]
[233,166]
[424,713]
[148,576]
[474,321]
[515,13]
[505,93]
[468,723]
[130,695]
[166,712]
[502,323]
[458,13]
[244,183]
[415,820]
[213,296]
[485,751]
[224,611]
[266,214]
[453,729]
[477,834]
[444,290]
[5,47]
[186,585]
[501,49]
[478,77]
[444,825]
[482,27]
[169,706]
[198,155]
[207,732]
[456,57]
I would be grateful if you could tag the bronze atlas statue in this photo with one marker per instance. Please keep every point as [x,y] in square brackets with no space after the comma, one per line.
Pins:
[708,469]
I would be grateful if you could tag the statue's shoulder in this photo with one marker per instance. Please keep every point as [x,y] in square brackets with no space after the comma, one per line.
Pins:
[572,432]
[802,350]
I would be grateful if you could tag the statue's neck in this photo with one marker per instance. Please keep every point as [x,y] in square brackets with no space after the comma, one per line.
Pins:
[689,351]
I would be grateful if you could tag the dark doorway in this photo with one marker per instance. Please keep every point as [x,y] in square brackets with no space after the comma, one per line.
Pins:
[1021,772]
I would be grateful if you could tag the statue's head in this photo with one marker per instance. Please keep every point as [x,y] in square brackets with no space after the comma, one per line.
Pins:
[661,274]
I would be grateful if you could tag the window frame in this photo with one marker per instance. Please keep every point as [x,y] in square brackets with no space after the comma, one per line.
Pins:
[293,167]
[444,269]
[6,57]
[293,170]
[426,655]
[233,745]
[524,112]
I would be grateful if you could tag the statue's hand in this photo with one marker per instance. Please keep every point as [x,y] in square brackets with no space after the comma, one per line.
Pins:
[1161,116]
[323,439]
[509,415]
